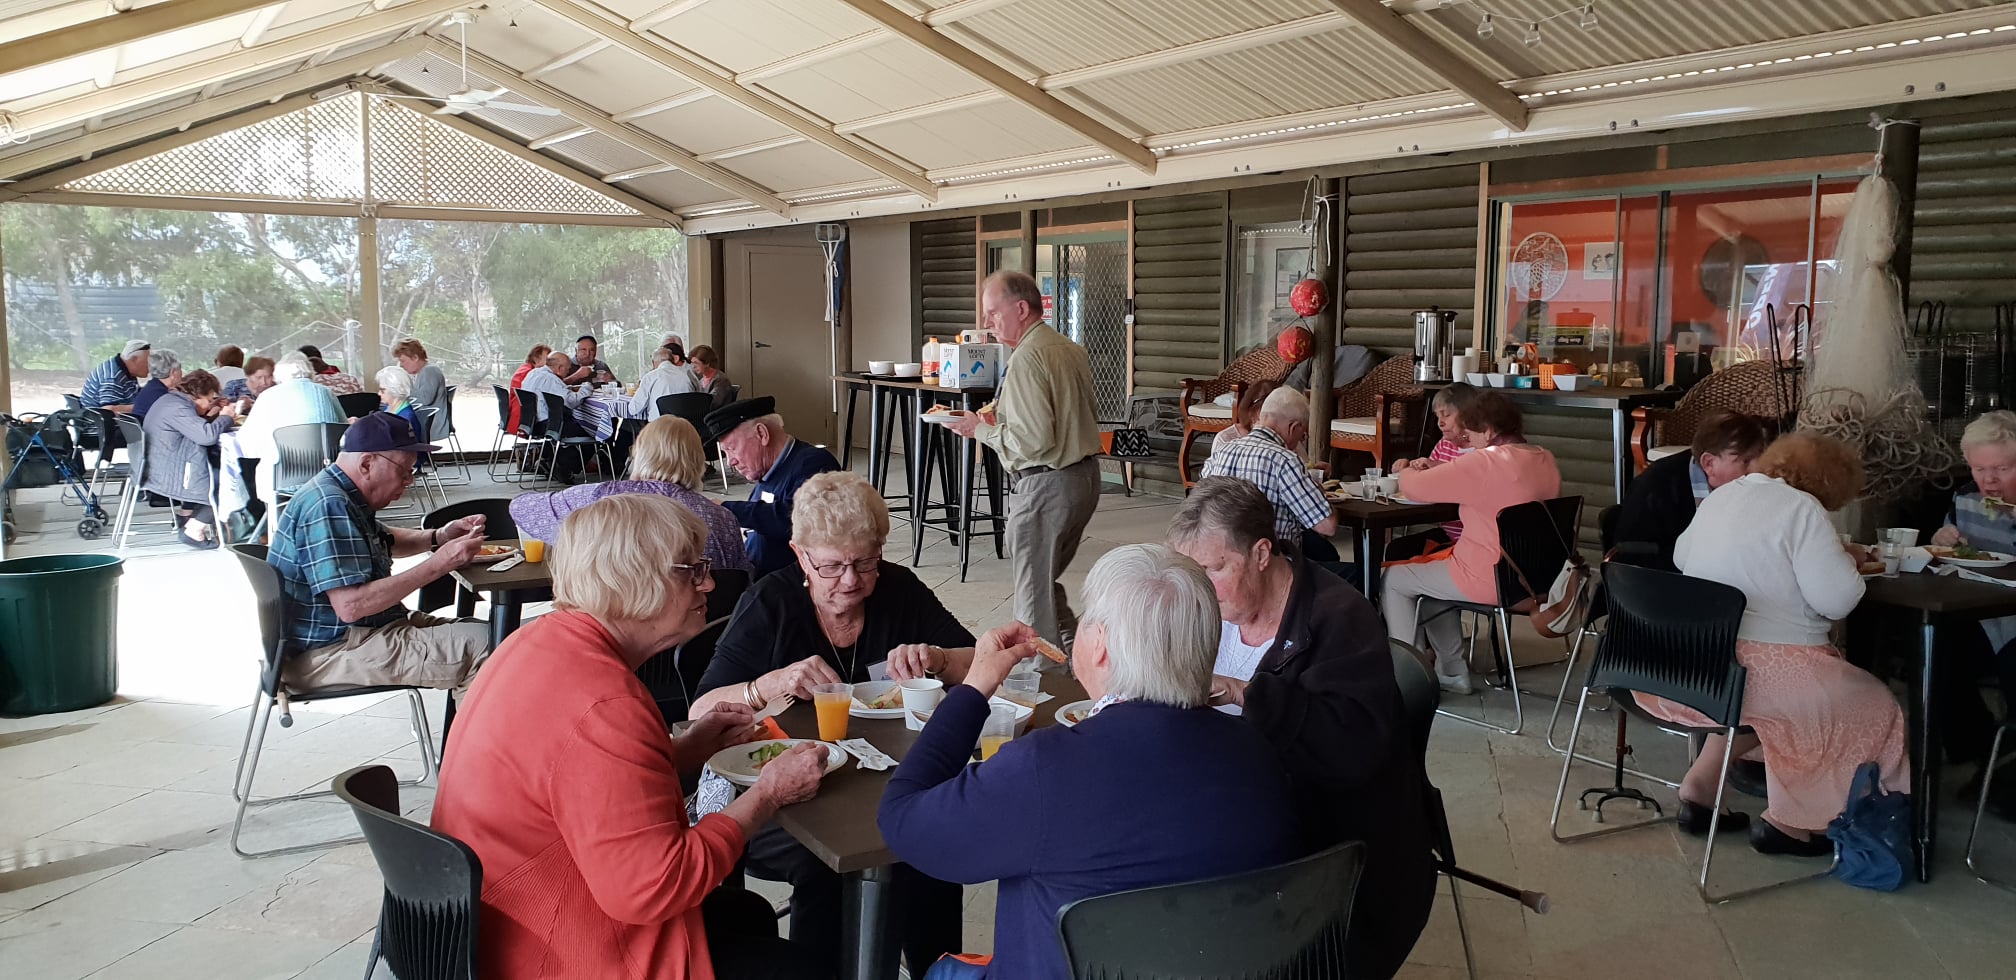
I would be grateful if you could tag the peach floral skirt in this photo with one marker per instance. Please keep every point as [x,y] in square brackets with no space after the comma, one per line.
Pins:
[1817,718]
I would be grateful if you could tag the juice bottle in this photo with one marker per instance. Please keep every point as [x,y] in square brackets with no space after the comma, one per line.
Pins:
[930,359]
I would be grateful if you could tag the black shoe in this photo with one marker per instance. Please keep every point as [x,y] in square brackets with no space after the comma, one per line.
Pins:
[1746,776]
[1694,819]
[1766,839]
[207,544]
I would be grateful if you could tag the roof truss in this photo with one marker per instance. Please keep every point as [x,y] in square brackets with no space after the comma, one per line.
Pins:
[120,28]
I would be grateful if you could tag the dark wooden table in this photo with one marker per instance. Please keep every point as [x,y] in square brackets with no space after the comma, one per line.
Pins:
[1375,522]
[1939,602]
[838,825]
[508,590]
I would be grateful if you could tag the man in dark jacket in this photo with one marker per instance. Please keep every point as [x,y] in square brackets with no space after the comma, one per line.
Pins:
[1661,501]
[752,435]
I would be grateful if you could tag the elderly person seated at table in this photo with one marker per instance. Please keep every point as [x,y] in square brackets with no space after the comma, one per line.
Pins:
[707,367]
[1662,500]
[751,434]
[430,386]
[182,430]
[668,376]
[1501,471]
[230,366]
[667,461]
[587,366]
[258,377]
[341,605]
[395,395]
[836,618]
[1983,517]
[1151,789]
[1303,657]
[546,379]
[533,361]
[294,399]
[590,869]
[111,385]
[1448,405]
[329,377]
[1270,457]
[1816,717]
[164,373]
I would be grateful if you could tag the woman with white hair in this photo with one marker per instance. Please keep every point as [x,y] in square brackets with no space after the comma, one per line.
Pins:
[395,396]
[1153,788]
[836,618]
[182,433]
[164,374]
[294,399]
[1984,517]
[590,868]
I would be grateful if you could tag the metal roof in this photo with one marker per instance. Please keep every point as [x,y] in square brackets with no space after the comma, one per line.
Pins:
[740,113]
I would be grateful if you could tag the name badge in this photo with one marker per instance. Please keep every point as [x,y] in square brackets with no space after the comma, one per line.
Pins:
[769,498]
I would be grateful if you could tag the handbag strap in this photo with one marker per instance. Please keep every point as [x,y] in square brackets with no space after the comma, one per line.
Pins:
[1574,560]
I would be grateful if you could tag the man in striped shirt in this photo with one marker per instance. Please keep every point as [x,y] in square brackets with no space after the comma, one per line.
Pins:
[111,385]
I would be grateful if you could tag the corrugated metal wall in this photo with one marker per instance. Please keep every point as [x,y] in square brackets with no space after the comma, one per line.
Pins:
[1179,290]
[948,256]
[1410,243]
[1965,220]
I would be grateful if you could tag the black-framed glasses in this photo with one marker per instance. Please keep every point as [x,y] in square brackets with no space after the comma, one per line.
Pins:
[407,471]
[861,566]
[698,571]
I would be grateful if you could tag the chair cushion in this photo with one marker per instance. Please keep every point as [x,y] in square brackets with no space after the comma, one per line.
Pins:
[1355,427]
[1657,453]
[1207,411]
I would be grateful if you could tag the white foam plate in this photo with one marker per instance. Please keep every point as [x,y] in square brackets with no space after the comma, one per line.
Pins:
[1075,708]
[735,765]
[864,693]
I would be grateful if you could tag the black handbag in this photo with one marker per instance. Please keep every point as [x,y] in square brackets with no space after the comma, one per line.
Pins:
[1130,444]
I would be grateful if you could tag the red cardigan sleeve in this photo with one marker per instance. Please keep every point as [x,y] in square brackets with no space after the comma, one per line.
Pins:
[615,796]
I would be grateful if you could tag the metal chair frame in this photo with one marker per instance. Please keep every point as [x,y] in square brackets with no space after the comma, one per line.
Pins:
[1981,807]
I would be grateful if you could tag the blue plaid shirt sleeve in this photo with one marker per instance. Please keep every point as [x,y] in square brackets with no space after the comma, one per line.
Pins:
[331,554]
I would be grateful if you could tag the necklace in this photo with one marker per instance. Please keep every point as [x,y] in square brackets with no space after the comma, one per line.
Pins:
[853,649]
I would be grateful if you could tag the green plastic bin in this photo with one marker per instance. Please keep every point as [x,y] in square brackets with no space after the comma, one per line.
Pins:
[59,632]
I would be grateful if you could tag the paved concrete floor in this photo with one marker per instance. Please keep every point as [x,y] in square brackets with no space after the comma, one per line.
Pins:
[114,821]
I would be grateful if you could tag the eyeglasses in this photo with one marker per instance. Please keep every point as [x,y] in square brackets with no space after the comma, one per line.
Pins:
[407,471]
[698,571]
[862,567]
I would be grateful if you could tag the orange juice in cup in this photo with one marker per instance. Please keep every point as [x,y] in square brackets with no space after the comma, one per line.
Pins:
[535,549]
[998,730]
[831,702]
[990,744]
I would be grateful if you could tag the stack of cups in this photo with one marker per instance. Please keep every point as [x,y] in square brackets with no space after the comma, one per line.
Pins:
[1462,366]
[920,698]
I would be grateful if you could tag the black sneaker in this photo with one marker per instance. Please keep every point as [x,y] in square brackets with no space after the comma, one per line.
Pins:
[1694,819]
[1766,839]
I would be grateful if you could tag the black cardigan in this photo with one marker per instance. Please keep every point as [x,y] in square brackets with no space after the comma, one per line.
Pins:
[1657,508]
[1325,696]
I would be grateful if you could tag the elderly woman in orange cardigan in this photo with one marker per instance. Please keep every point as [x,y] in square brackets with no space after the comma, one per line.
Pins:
[562,779]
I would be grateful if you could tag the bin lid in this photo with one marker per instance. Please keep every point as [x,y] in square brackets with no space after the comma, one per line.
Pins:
[49,564]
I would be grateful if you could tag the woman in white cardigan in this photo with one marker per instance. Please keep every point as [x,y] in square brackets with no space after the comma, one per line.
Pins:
[1817,718]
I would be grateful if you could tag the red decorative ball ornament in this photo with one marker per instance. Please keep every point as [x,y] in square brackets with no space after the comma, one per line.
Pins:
[1296,343]
[1309,297]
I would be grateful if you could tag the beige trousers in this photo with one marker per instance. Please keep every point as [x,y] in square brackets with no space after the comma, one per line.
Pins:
[422,650]
[1047,515]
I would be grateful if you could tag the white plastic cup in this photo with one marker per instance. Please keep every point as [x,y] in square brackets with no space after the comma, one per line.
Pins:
[1905,537]
[1389,486]
[920,694]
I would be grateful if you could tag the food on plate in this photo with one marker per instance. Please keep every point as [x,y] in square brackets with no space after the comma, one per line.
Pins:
[1967,552]
[763,755]
[494,550]
[890,698]
[1870,567]
[1048,649]
[1076,715]
[938,410]
[987,409]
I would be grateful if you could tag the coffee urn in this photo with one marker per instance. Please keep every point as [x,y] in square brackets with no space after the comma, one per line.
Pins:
[1434,333]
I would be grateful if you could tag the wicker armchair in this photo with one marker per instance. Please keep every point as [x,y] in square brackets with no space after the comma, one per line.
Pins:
[1381,413]
[1747,386]
[1201,413]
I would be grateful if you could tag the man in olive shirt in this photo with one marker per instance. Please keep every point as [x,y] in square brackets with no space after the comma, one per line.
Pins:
[1046,431]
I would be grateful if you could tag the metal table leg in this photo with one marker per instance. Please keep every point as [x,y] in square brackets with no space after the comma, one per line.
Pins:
[506,608]
[1368,566]
[869,949]
[847,430]
[1620,448]
[1925,756]
[878,441]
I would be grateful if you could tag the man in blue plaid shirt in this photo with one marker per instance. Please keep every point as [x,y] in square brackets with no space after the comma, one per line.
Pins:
[1302,514]
[342,604]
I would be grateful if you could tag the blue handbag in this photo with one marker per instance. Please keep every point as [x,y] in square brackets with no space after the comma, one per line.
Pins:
[1872,836]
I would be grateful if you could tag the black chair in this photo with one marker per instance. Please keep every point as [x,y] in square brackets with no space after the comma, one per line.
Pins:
[1534,539]
[274,692]
[565,433]
[1287,922]
[693,406]
[360,404]
[532,430]
[1981,807]
[505,430]
[442,432]
[433,884]
[729,584]
[673,676]
[103,469]
[497,526]
[1674,637]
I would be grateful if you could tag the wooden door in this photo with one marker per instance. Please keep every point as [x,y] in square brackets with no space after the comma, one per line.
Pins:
[790,342]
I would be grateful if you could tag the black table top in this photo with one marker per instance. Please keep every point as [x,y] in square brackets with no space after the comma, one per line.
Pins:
[1945,595]
[1371,513]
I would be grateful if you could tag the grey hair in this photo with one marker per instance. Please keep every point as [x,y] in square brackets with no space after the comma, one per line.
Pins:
[292,366]
[1991,428]
[1160,619]
[661,355]
[162,363]
[1285,404]
[1018,285]
[1225,505]
[394,379]
[773,421]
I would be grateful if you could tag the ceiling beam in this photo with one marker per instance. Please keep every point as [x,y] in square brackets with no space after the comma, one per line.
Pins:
[1453,69]
[662,105]
[1004,81]
[43,157]
[141,151]
[261,23]
[606,26]
[148,88]
[643,142]
[110,32]
[559,137]
[639,26]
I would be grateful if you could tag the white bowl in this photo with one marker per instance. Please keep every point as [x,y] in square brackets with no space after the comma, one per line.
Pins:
[910,369]
[881,367]
[1497,380]
[1574,382]
[1475,379]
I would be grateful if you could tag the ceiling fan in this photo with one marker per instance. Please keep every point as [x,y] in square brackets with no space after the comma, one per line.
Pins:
[470,99]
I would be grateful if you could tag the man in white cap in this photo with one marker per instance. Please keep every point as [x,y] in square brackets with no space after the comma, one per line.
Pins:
[112,384]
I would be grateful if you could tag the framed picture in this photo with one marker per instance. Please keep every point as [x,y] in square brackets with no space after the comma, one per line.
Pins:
[1291,265]
[1269,261]
[1600,260]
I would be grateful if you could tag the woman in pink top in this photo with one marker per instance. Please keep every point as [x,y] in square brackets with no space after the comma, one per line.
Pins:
[1501,470]
[561,777]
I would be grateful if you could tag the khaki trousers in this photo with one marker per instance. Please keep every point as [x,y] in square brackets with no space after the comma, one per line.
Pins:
[1047,514]
[422,650]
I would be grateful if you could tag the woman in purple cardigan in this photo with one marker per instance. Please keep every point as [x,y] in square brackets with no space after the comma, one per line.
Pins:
[666,460]
[1153,788]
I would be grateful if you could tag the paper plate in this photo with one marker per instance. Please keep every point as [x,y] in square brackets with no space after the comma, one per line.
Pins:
[864,693]
[735,765]
[1075,710]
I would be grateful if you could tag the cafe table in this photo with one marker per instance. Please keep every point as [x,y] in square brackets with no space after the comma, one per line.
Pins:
[508,590]
[1938,602]
[838,826]
[1374,521]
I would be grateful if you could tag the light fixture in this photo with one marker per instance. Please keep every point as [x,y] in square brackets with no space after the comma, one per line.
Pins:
[1485,28]
[1532,37]
[1588,20]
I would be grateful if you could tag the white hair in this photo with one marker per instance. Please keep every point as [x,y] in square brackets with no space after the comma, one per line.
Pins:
[394,381]
[292,366]
[1161,624]
[773,421]
[1991,428]
[660,356]
[162,363]
[1285,404]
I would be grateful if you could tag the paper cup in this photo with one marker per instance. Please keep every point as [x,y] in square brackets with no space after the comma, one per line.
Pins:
[920,695]
[1389,485]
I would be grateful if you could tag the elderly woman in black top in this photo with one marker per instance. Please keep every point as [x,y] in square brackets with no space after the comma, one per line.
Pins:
[1303,656]
[838,617]
[1661,501]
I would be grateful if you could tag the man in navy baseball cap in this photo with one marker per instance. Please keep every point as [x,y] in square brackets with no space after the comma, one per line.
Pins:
[342,606]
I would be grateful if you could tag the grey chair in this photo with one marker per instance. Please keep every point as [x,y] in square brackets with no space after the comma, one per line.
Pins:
[133,498]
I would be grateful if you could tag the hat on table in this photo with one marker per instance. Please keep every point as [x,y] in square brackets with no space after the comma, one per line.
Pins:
[134,347]
[382,432]
[725,419]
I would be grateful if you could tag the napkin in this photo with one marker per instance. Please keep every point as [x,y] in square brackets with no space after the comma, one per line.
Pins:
[1968,573]
[768,728]
[1027,702]
[870,757]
